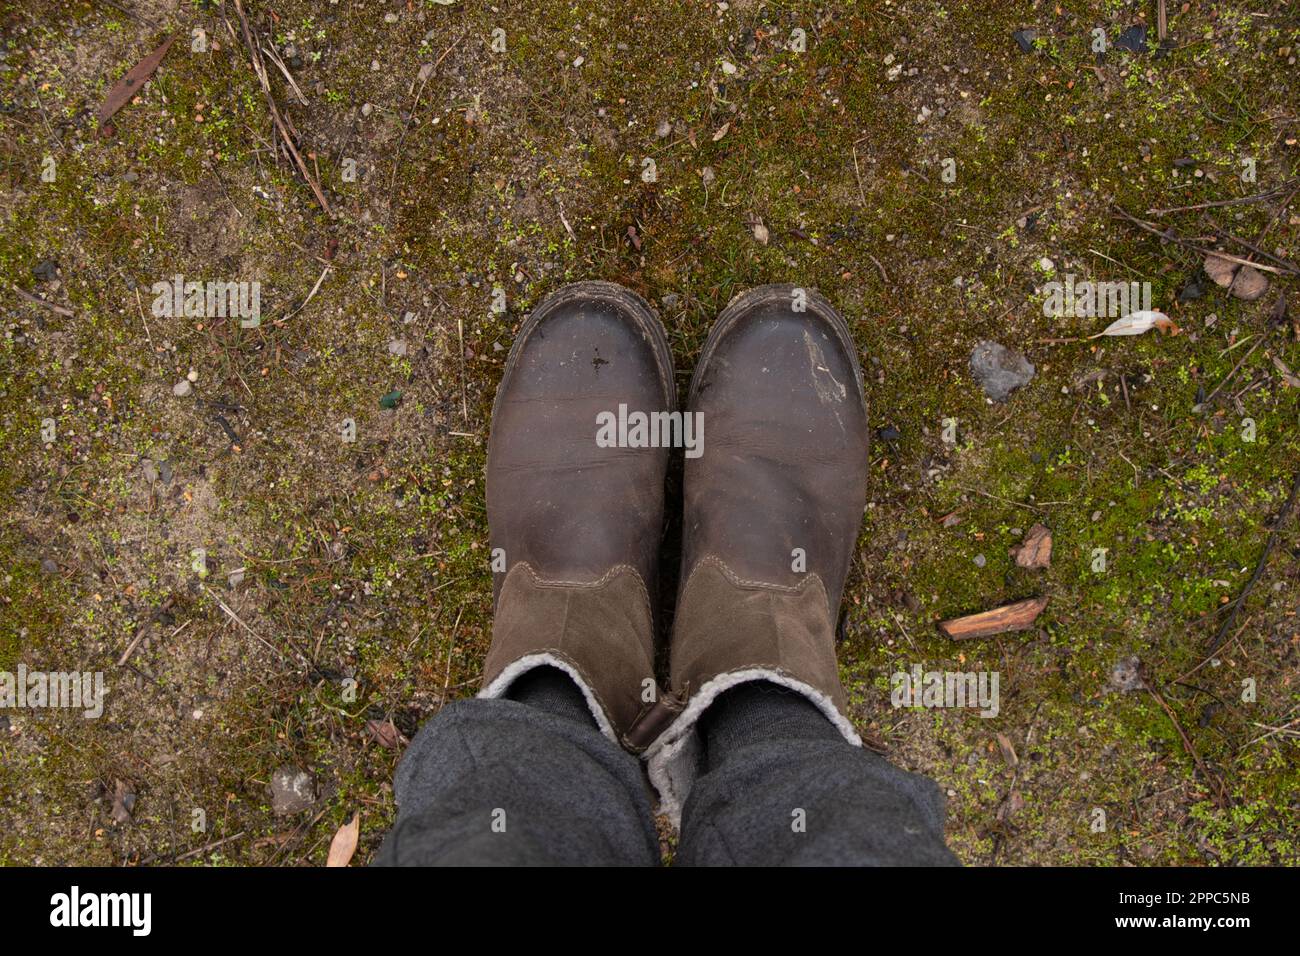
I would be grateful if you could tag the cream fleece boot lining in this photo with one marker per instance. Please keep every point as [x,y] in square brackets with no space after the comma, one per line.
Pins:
[517,669]
[673,759]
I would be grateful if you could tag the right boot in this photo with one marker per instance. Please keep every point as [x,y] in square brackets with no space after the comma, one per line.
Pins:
[770,517]
[575,527]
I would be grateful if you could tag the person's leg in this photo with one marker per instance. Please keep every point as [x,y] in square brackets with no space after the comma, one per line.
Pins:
[526,779]
[779,785]
[534,771]
[771,514]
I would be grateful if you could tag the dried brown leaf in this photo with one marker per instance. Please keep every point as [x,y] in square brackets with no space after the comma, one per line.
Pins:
[344,843]
[1008,751]
[1220,269]
[1277,315]
[131,84]
[123,801]
[1289,378]
[1135,323]
[386,734]
[1250,284]
[1241,281]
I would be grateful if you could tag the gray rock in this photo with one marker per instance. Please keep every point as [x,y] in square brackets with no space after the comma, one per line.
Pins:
[1126,675]
[999,370]
[49,566]
[292,791]
[1025,40]
[182,388]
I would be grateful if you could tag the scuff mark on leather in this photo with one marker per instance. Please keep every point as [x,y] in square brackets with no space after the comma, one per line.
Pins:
[829,388]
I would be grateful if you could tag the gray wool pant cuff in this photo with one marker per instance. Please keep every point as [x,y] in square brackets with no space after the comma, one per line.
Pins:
[502,782]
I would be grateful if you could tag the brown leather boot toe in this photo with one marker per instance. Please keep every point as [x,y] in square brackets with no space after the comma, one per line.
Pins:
[771,515]
[576,522]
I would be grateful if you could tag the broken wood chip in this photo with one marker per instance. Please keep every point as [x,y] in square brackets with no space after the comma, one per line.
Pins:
[37,300]
[1035,551]
[1019,616]
[131,84]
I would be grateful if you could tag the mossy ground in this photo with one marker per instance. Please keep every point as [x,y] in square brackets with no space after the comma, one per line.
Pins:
[366,562]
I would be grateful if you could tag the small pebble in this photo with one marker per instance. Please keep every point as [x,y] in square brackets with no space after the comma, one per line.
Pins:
[182,388]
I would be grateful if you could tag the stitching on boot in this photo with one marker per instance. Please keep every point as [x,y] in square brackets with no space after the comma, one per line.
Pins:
[713,560]
[606,578]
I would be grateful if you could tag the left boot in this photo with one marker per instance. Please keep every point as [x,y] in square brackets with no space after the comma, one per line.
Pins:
[576,524]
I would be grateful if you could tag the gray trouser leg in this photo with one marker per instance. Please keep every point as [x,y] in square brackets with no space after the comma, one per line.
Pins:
[500,782]
[780,786]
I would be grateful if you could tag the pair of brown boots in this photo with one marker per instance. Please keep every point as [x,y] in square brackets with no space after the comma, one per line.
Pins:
[775,435]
